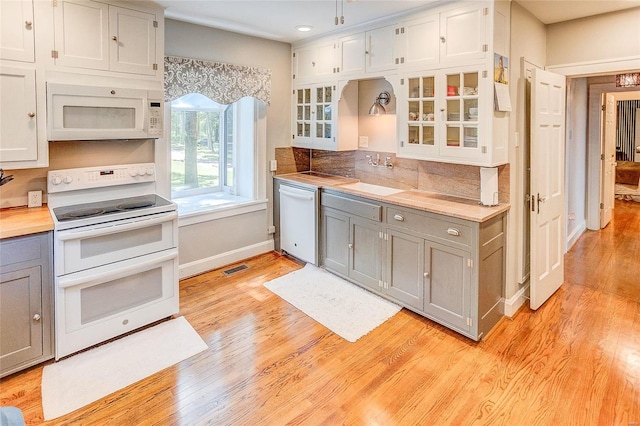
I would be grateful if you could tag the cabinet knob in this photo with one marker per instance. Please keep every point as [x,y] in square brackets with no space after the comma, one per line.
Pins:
[31,114]
[426,275]
[36,317]
[350,245]
[114,38]
[442,39]
[28,24]
[399,217]
[366,52]
[453,231]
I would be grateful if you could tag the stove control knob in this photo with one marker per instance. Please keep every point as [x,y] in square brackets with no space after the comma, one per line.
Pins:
[150,171]
[133,172]
[56,180]
[68,179]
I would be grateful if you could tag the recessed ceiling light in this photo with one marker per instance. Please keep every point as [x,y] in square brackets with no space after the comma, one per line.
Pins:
[304,28]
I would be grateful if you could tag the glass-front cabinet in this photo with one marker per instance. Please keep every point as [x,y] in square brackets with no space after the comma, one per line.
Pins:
[440,117]
[318,109]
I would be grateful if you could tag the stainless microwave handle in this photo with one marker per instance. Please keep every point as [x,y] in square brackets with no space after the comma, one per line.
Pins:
[117,227]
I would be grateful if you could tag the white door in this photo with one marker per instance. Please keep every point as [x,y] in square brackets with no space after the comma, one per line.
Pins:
[547,185]
[132,41]
[607,193]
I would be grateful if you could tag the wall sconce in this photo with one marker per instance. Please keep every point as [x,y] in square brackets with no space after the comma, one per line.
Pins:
[378,106]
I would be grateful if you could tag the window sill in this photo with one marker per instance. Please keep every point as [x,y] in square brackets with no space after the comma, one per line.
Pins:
[208,207]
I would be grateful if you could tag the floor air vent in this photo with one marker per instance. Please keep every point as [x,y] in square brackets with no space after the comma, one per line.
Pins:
[232,271]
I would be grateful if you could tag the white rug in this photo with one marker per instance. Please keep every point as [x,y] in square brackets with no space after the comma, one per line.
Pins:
[88,376]
[342,307]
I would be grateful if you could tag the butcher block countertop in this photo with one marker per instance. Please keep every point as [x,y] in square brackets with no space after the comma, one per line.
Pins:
[447,205]
[18,221]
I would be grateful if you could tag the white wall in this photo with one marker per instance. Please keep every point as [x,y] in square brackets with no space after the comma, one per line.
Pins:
[576,159]
[602,43]
[217,242]
[380,130]
[528,40]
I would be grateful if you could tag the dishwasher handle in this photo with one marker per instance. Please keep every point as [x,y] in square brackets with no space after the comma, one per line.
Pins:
[297,194]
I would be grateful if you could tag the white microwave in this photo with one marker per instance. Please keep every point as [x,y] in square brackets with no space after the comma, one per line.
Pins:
[76,112]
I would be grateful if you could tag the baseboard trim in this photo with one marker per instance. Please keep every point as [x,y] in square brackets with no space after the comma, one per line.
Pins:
[213,262]
[514,303]
[573,237]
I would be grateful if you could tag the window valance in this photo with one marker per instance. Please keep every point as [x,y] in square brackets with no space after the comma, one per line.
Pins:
[222,83]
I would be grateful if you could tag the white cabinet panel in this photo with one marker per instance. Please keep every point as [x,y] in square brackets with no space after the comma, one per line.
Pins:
[81,34]
[18,133]
[16,30]
[314,63]
[379,53]
[417,43]
[134,47]
[352,55]
[462,33]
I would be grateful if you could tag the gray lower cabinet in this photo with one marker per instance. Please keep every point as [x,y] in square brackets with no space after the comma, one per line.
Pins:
[26,302]
[448,269]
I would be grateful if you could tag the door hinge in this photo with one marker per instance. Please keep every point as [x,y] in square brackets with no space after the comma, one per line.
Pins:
[155,24]
[401,144]
[485,47]
[602,156]
[485,11]
[483,149]
[294,54]
[604,107]
[470,263]
[380,283]
[601,206]
[402,82]
[293,136]
[54,3]
[54,54]
[484,74]
[469,322]
[294,76]
[155,67]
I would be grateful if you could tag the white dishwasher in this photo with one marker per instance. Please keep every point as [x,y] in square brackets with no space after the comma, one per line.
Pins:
[298,222]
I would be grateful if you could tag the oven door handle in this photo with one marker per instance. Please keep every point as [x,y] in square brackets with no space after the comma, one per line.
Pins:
[75,234]
[92,279]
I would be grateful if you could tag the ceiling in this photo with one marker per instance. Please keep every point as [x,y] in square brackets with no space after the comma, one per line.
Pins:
[278,19]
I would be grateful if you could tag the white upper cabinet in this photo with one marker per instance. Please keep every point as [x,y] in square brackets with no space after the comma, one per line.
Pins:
[314,63]
[417,43]
[16,30]
[379,52]
[99,36]
[463,34]
[351,55]
[18,115]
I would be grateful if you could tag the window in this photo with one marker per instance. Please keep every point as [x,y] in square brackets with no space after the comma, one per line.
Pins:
[212,152]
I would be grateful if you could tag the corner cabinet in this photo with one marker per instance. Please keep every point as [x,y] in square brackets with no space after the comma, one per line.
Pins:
[449,270]
[26,302]
[100,36]
[322,120]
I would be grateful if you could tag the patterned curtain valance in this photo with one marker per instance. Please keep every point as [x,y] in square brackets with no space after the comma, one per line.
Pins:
[222,83]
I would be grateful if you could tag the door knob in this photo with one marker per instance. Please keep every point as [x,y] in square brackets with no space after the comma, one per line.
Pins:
[350,245]
[31,114]
[426,275]
[114,38]
[36,317]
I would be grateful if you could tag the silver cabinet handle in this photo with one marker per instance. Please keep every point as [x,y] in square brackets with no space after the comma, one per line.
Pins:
[426,275]
[36,317]
[399,217]
[28,24]
[453,231]
[114,38]
[350,245]
[31,114]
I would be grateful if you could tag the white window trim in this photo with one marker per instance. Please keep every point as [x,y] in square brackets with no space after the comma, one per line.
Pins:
[221,212]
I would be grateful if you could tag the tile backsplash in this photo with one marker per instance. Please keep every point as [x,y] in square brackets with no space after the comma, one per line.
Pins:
[452,179]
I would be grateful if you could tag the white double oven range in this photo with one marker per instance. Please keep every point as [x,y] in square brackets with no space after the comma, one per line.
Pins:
[115,253]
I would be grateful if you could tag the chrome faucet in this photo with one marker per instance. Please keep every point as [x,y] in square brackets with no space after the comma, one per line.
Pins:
[376,163]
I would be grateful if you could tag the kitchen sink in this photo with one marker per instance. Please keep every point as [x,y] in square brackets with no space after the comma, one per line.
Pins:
[371,189]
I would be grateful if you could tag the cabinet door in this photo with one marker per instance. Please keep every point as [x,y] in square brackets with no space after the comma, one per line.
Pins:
[418,43]
[325,61]
[335,241]
[365,253]
[462,34]
[405,281]
[20,317]
[448,285]
[132,41]
[82,34]
[314,63]
[351,53]
[323,115]
[379,54]
[18,134]
[16,30]
[302,117]
[419,118]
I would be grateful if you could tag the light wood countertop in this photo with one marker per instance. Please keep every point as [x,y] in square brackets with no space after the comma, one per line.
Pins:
[18,221]
[447,205]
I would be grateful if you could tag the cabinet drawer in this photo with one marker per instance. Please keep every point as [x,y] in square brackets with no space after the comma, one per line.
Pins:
[355,207]
[20,249]
[449,231]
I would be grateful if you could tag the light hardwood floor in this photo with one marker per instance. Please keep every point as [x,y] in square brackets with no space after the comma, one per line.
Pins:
[575,361]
